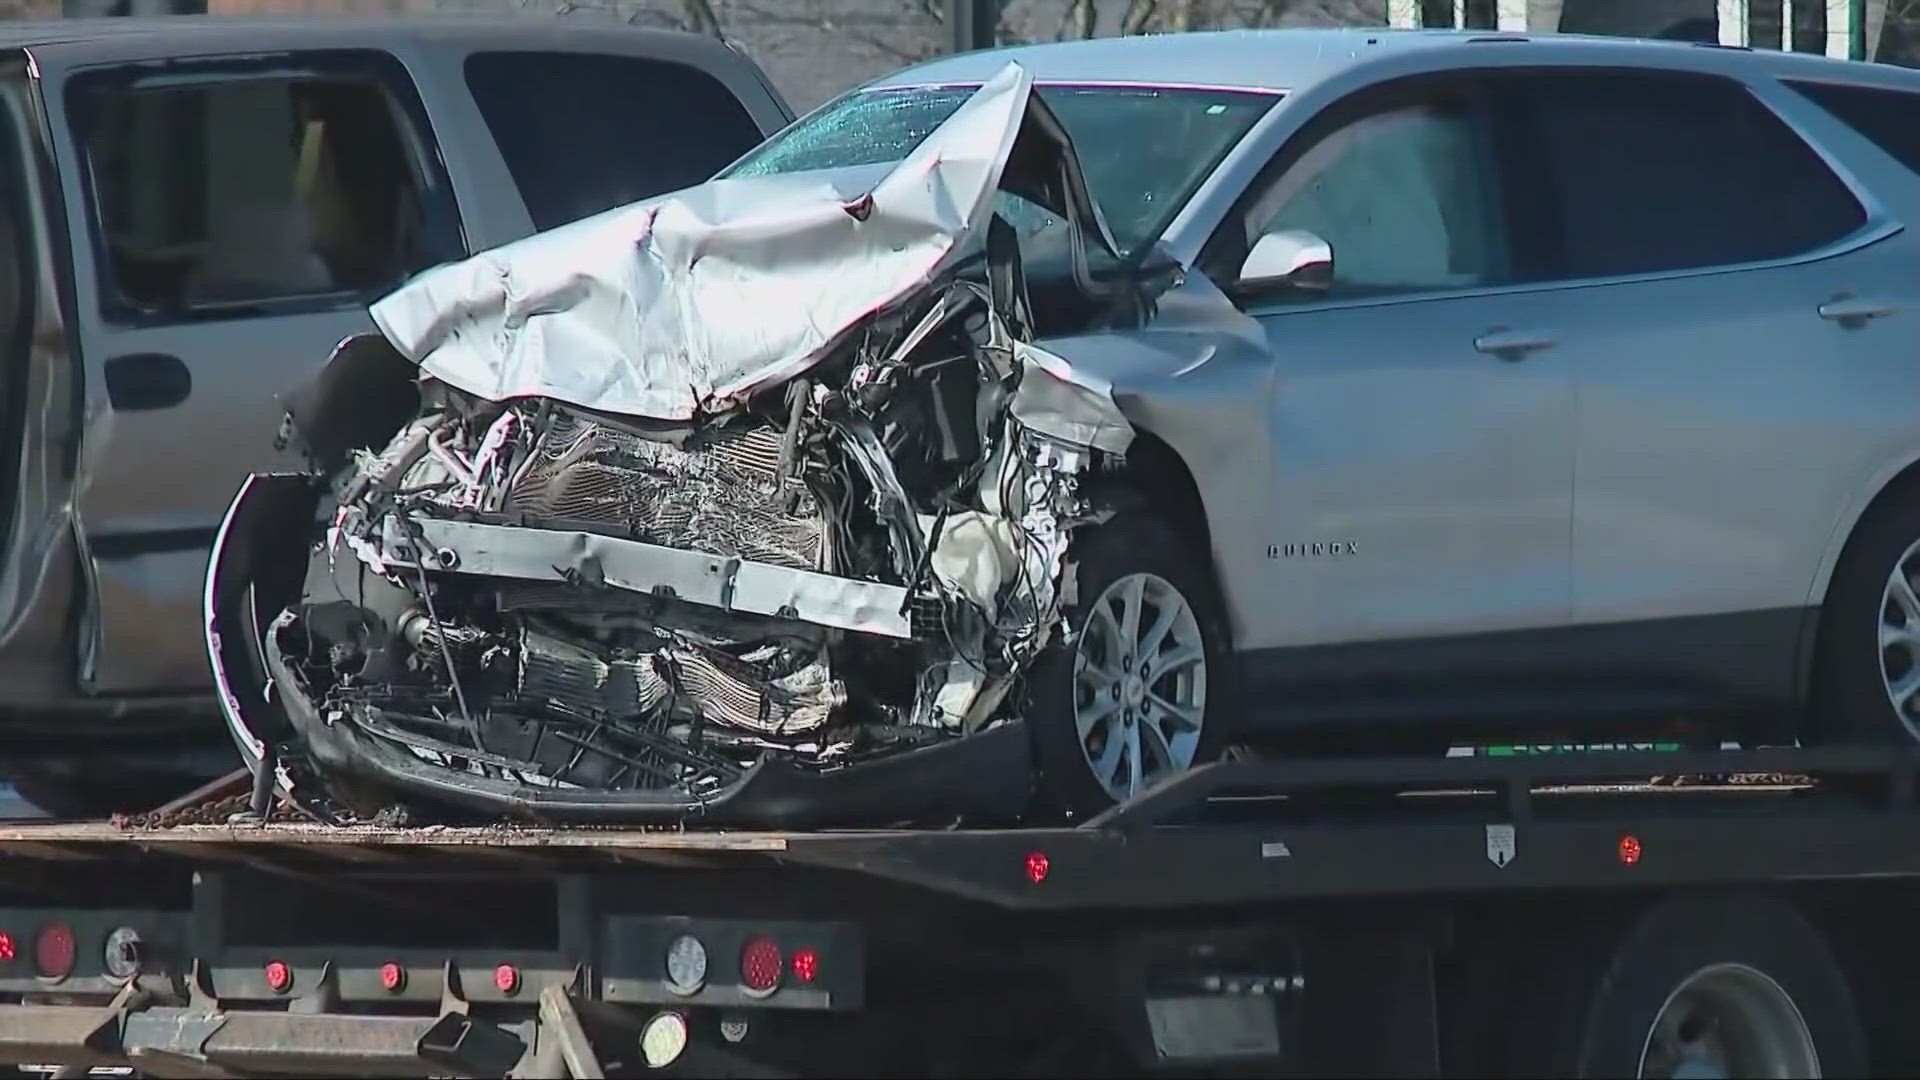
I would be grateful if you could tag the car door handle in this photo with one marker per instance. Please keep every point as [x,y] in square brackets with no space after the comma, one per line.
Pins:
[1856,310]
[1513,344]
[138,382]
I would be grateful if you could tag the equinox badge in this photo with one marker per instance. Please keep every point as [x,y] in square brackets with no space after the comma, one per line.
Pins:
[1315,550]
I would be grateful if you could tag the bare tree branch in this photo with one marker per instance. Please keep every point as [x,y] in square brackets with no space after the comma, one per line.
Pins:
[701,18]
[1138,18]
[915,33]
[1081,18]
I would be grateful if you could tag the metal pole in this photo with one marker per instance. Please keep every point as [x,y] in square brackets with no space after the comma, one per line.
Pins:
[973,24]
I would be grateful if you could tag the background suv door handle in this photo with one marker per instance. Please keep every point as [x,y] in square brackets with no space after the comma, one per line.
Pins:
[1854,310]
[1513,344]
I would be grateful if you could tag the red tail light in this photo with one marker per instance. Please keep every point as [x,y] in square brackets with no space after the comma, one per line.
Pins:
[1037,866]
[393,977]
[7,951]
[806,965]
[53,951]
[506,978]
[279,976]
[760,964]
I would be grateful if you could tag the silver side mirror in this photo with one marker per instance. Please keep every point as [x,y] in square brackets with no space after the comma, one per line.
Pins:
[1288,259]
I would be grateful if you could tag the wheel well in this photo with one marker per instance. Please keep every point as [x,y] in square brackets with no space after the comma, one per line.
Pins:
[1155,472]
[1902,490]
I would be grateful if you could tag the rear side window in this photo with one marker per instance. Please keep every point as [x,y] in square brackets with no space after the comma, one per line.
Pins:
[222,187]
[1890,118]
[1657,171]
[586,132]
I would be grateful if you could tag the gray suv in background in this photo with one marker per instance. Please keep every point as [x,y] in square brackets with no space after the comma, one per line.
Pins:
[197,210]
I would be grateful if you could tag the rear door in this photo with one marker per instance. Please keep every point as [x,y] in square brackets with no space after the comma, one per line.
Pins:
[1726,407]
[232,217]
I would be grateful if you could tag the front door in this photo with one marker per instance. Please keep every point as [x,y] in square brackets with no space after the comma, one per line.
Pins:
[1421,418]
[232,218]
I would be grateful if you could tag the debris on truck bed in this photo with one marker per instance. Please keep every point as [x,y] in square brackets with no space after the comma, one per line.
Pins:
[747,504]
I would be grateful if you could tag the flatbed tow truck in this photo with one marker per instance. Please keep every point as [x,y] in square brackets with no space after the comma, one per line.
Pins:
[1529,915]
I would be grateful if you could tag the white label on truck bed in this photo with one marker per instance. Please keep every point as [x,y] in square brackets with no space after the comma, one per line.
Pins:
[1213,1027]
[1500,848]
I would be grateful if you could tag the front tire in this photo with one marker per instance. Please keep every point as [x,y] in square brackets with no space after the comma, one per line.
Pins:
[1138,686]
[1867,671]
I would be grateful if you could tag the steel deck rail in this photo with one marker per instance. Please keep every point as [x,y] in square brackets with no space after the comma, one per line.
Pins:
[1232,832]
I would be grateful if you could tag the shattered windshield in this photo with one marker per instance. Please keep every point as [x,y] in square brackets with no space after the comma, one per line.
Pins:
[1144,150]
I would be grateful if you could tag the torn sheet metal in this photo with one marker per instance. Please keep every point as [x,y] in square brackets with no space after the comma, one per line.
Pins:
[662,309]
[1074,406]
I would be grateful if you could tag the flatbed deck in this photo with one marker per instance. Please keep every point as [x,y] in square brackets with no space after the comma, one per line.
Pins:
[1328,885]
[1229,833]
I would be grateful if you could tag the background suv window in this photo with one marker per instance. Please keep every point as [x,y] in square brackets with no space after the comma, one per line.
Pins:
[586,132]
[248,184]
[1657,172]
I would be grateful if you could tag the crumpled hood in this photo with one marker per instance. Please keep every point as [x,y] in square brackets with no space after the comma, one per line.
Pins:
[685,304]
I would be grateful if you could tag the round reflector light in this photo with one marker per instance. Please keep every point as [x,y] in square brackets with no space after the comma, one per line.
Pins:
[663,1039]
[1037,866]
[393,977]
[760,963]
[279,977]
[7,949]
[686,964]
[1629,850]
[806,965]
[53,951]
[123,952]
[506,978]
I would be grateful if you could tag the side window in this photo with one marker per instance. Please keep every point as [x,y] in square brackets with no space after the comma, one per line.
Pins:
[1887,117]
[586,132]
[218,189]
[1402,184]
[1659,171]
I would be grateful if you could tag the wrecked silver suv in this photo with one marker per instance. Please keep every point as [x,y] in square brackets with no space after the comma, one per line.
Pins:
[753,503]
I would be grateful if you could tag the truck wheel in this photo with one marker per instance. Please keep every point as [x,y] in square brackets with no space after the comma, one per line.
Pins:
[1867,670]
[1695,988]
[1139,686]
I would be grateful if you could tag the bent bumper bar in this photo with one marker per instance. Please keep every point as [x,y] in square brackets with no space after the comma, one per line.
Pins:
[730,584]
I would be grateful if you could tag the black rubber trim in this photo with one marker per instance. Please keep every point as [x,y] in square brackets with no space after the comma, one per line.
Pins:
[132,545]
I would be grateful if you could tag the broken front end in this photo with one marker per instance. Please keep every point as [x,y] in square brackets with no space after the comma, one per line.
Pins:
[809,600]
